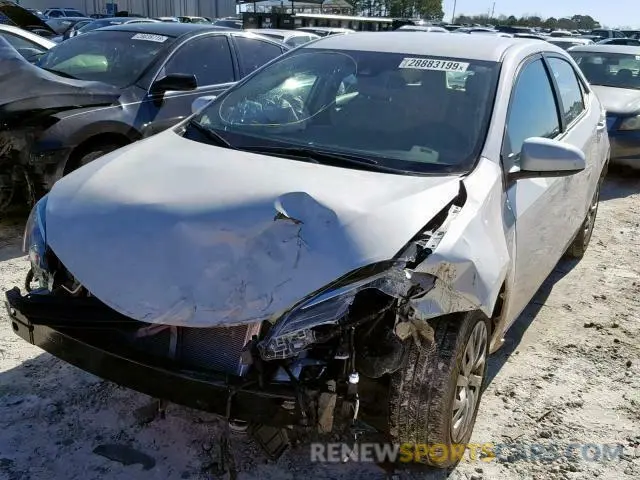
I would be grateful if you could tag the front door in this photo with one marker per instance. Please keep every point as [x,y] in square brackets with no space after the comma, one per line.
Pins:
[209,59]
[548,211]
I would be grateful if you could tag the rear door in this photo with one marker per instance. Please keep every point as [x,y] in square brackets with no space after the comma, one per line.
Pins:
[546,101]
[210,59]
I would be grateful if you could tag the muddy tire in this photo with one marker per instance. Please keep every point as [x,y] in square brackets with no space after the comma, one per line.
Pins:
[428,395]
[92,154]
[580,243]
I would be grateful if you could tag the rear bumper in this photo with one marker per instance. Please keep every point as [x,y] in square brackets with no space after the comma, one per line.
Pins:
[42,323]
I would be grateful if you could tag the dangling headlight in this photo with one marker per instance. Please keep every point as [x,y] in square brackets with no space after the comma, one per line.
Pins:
[294,331]
[35,240]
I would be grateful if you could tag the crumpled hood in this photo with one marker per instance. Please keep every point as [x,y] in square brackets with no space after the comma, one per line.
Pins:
[172,231]
[25,87]
[619,101]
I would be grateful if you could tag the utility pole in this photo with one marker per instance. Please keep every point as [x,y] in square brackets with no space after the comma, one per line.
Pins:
[453,15]
[493,9]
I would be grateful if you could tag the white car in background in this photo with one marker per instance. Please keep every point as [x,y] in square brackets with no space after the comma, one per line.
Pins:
[28,44]
[423,28]
[326,31]
[342,235]
[291,38]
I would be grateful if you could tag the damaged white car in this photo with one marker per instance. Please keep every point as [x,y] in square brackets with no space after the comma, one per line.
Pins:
[346,234]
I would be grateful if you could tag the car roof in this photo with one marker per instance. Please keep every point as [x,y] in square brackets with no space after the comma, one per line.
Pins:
[326,29]
[473,47]
[568,39]
[66,19]
[278,31]
[169,29]
[628,49]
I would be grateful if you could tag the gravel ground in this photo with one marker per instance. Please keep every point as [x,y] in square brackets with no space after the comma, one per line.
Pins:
[569,377]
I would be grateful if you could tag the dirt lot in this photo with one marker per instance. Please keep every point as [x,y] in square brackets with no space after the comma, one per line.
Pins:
[567,374]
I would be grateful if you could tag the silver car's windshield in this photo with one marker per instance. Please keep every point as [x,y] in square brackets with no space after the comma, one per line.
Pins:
[610,69]
[405,112]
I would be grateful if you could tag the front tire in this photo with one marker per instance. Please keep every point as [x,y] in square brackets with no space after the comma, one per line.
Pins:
[434,397]
[95,153]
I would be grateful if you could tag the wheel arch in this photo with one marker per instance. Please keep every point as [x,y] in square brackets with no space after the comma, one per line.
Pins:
[93,142]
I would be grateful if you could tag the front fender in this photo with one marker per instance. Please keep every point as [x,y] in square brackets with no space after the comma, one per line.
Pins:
[471,261]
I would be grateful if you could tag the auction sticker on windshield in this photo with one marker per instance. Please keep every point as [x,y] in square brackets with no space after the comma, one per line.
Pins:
[149,37]
[434,64]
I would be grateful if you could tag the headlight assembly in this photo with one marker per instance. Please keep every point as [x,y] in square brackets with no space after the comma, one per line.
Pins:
[631,123]
[35,240]
[294,331]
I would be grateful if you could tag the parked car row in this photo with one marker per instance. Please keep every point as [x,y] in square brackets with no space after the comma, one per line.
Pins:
[109,87]
[344,234]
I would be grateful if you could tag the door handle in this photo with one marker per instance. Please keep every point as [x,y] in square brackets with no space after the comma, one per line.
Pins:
[602,125]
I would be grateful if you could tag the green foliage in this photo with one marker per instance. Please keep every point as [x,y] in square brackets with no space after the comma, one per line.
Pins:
[583,22]
[427,9]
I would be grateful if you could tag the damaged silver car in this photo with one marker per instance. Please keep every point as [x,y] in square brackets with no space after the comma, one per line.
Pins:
[345,235]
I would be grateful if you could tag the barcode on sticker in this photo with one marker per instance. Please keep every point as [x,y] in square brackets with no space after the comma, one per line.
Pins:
[434,64]
[149,37]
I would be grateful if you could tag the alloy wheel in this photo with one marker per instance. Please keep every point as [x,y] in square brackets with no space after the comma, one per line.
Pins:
[469,384]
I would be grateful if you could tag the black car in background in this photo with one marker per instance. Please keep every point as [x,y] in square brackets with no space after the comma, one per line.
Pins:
[13,14]
[63,26]
[110,87]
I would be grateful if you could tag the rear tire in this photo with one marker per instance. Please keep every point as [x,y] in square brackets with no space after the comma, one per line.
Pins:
[434,397]
[578,247]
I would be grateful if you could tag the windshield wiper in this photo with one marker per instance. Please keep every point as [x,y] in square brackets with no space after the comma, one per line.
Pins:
[321,156]
[212,136]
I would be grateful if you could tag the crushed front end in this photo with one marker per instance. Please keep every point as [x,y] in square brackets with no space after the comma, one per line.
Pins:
[26,171]
[322,363]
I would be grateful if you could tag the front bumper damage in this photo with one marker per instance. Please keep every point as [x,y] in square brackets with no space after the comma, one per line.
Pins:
[339,376]
[60,328]
[24,171]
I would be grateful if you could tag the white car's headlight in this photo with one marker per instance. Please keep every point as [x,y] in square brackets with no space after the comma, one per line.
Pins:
[35,239]
[631,123]
[294,331]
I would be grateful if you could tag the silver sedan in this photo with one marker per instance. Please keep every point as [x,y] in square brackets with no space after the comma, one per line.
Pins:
[347,233]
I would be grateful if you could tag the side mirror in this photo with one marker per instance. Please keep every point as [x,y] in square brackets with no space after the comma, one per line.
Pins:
[182,82]
[201,102]
[542,157]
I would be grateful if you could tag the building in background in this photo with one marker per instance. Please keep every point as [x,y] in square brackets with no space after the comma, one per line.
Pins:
[150,8]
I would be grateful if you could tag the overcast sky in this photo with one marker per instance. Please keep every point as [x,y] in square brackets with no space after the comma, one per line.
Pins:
[607,12]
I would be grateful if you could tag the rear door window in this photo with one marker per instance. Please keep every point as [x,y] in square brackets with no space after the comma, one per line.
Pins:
[208,58]
[569,87]
[253,53]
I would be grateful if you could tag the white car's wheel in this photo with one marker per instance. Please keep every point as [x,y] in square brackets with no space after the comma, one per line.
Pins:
[435,396]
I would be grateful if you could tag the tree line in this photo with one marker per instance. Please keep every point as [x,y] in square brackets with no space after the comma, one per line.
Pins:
[427,9]
[432,10]
[576,22]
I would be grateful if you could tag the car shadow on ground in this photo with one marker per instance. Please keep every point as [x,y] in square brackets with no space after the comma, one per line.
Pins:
[620,183]
[517,330]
